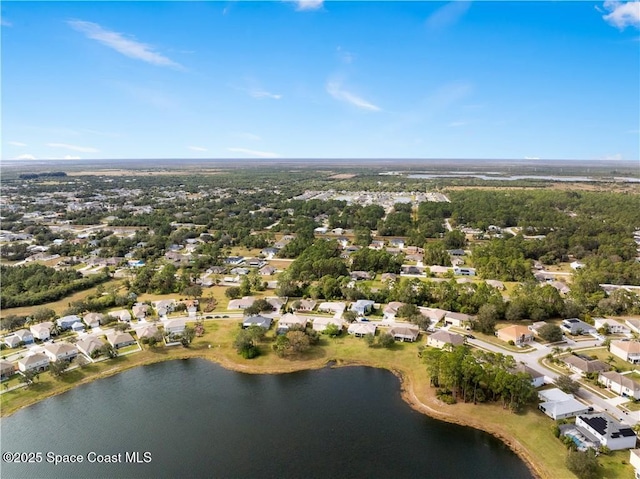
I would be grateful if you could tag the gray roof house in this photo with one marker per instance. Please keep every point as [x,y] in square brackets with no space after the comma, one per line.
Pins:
[620,384]
[574,327]
[257,320]
[120,339]
[361,329]
[67,321]
[34,362]
[89,345]
[60,351]
[407,334]
[7,369]
[441,339]
[582,365]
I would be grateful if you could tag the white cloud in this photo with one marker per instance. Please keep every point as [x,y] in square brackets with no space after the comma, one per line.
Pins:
[616,157]
[16,143]
[447,15]
[127,46]
[622,14]
[335,89]
[302,5]
[5,23]
[82,149]
[197,148]
[259,154]
[260,93]
[71,157]
[24,157]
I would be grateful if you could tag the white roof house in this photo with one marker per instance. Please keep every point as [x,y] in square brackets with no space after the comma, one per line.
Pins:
[359,329]
[89,345]
[174,325]
[291,320]
[320,323]
[441,339]
[559,405]
[242,303]
[607,431]
[60,351]
[33,362]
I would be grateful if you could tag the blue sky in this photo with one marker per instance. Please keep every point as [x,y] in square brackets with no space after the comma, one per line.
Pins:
[313,79]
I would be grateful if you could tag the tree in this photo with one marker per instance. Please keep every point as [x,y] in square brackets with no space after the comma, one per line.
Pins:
[583,464]
[332,330]
[455,239]
[233,292]
[259,306]
[244,344]
[187,336]
[486,319]
[43,314]
[385,340]
[28,377]
[298,341]
[566,384]
[369,339]
[550,333]
[121,327]
[193,291]
[58,367]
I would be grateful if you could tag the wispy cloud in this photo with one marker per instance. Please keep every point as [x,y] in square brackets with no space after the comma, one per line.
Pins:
[247,136]
[447,15]
[302,5]
[335,89]
[259,154]
[622,14]
[197,148]
[616,157]
[260,93]
[24,157]
[16,143]
[5,23]
[129,47]
[345,56]
[82,149]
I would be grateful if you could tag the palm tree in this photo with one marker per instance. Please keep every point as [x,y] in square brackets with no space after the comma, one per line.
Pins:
[610,359]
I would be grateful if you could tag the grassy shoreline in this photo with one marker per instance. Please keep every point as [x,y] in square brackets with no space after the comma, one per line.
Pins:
[528,434]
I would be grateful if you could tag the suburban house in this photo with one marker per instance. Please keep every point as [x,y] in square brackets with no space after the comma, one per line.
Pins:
[35,362]
[257,320]
[620,384]
[121,315]
[360,275]
[535,327]
[443,339]
[575,327]
[267,270]
[277,303]
[164,307]
[464,271]
[458,320]
[494,283]
[77,327]
[320,324]
[435,315]
[93,320]
[360,329]
[391,309]
[7,369]
[407,334]
[332,307]
[606,430]
[67,321]
[388,277]
[234,260]
[456,252]
[561,287]
[516,333]
[582,365]
[147,330]
[89,345]
[306,305]
[634,460]
[242,303]
[634,325]
[269,253]
[140,311]
[537,378]
[174,326]
[626,350]
[612,325]
[24,335]
[362,306]
[376,244]
[42,331]
[560,405]
[120,339]
[60,351]
[289,320]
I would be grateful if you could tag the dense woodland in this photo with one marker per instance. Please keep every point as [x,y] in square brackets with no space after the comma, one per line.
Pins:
[236,208]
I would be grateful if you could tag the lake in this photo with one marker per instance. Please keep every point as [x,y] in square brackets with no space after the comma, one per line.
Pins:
[196,419]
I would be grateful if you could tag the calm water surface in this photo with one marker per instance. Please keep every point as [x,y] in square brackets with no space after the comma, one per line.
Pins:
[197,419]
